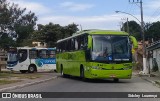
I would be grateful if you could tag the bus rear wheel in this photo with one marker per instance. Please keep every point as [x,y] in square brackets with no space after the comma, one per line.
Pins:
[31,69]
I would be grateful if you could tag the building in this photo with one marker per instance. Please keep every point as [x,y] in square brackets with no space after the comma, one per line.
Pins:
[39,44]
[153,57]
[3,58]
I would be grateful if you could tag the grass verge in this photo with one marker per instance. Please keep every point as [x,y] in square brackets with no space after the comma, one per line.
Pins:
[2,82]
[19,75]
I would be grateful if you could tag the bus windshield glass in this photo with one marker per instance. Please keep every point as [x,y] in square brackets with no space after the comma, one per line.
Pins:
[12,56]
[111,48]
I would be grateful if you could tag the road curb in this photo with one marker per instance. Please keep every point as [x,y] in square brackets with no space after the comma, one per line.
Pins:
[153,82]
[26,84]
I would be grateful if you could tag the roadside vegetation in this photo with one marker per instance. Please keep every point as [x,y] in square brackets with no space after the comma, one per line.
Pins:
[11,77]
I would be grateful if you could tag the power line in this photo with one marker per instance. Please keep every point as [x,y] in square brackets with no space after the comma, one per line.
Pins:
[156,13]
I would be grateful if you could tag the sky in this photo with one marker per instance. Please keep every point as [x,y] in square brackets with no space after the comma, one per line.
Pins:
[91,14]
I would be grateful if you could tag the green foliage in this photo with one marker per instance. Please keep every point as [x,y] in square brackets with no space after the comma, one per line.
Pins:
[5,41]
[15,22]
[153,32]
[134,29]
[50,33]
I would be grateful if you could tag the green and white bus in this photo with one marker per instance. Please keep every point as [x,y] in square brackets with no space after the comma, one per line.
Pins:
[96,54]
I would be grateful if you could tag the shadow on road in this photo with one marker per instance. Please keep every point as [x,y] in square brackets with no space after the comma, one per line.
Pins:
[94,80]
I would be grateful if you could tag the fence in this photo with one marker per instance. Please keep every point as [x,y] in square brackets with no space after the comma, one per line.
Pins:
[3,59]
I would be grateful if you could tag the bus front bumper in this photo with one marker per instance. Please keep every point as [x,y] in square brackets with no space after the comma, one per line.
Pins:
[108,74]
[10,68]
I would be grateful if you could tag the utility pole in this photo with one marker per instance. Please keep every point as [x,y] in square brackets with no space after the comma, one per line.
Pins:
[80,27]
[126,20]
[119,26]
[122,26]
[127,27]
[145,71]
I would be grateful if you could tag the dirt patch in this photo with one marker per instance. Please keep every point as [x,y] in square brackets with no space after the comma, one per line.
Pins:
[10,77]
[19,75]
[2,82]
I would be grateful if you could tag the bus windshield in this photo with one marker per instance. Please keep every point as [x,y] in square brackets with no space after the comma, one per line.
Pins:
[12,56]
[110,48]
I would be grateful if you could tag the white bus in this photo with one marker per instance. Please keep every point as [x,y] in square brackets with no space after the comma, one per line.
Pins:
[31,59]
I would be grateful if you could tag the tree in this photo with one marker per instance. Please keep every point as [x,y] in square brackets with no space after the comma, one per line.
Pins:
[15,22]
[153,31]
[38,35]
[69,30]
[5,41]
[50,33]
[134,29]
[25,27]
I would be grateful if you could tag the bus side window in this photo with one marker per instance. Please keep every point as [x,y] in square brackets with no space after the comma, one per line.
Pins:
[63,46]
[22,55]
[51,54]
[83,41]
[68,45]
[79,42]
[43,54]
[59,47]
[72,44]
[76,44]
[33,54]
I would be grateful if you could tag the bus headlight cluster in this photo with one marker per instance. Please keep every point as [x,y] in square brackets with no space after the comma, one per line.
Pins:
[87,68]
[126,68]
[95,67]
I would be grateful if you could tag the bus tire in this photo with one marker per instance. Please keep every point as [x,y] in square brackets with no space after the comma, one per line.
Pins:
[62,73]
[23,71]
[82,76]
[116,80]
[31,69]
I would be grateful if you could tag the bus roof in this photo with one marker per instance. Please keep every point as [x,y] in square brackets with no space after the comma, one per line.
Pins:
[96,32]
[36,48]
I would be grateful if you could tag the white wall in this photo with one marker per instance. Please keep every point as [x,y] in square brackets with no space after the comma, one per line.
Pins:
[156,54]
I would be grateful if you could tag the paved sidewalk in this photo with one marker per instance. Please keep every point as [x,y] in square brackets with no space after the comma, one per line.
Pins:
[27,82]
[153,77]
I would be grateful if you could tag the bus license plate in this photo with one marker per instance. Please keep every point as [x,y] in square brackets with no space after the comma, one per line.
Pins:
[112,76]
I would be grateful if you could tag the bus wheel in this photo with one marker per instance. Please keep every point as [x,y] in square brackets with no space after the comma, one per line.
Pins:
[116,80]
[62,74]
[23,71]
[82,74]
[31,69]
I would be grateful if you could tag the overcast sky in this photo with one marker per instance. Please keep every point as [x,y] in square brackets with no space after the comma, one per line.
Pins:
[90,14]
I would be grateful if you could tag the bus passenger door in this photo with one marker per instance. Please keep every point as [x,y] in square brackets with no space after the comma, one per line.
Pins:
[23,60]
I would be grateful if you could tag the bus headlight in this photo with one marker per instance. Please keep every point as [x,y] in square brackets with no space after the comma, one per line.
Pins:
[95,67]
[87,68]
[126,68]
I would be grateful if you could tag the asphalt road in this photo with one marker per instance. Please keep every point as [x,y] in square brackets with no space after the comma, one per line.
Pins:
[74,84]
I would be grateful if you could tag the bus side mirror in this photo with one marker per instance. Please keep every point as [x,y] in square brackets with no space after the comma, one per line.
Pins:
[134,42]
[89,42]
